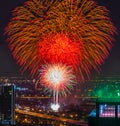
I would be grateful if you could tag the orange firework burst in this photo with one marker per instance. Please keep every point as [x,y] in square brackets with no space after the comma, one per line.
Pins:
[83,27]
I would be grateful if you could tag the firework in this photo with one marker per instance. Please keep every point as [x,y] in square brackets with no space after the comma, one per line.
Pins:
[60,48]
[57,77]
[73,32]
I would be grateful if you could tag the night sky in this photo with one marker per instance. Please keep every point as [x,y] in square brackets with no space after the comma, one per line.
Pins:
[8,66]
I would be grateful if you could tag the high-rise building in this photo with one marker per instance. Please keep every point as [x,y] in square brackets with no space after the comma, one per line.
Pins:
[7,104]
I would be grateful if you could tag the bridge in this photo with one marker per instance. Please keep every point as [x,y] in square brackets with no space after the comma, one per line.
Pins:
[52,117]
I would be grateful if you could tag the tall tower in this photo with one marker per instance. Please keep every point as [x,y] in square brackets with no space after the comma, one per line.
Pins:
[7,104]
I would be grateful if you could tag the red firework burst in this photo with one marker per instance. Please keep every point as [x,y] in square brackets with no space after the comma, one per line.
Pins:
[60,48]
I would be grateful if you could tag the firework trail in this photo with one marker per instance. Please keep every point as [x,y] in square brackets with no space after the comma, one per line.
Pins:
[71,32]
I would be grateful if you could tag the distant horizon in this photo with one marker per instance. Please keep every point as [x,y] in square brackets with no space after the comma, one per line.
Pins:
[101,76]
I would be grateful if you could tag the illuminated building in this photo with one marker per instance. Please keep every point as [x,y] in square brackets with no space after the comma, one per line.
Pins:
[7,104]
[107,113]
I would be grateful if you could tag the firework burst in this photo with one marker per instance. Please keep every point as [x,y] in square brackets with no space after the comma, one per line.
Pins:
[83,27]
[60,48]
[57,77]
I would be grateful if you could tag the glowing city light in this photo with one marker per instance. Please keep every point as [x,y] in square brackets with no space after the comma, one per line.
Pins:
[55,107]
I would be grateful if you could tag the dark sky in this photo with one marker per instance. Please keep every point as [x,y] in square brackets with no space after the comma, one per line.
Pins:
[8,66]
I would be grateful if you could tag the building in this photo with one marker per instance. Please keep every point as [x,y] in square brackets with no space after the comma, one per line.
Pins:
[107,113]
[7,104]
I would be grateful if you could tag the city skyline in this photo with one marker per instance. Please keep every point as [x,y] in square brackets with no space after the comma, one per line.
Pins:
[8,65]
